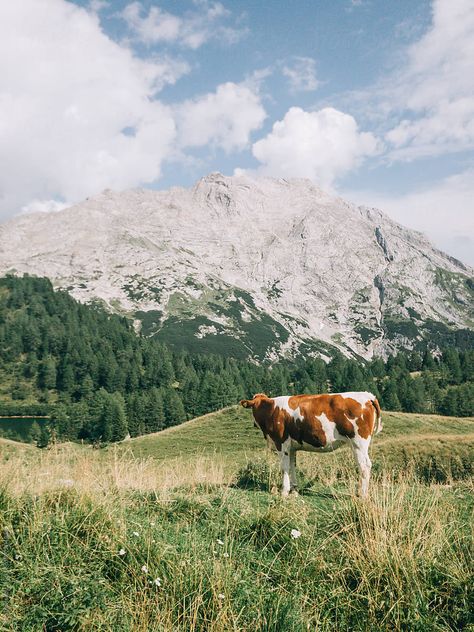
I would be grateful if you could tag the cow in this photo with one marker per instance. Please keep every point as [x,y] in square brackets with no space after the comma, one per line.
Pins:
[317,423]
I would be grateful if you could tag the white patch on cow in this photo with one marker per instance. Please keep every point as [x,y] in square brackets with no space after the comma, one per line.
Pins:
[283,403]
[333,437]
[329,428]
[361,397]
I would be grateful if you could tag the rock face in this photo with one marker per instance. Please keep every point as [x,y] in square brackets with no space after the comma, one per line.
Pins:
[257,268]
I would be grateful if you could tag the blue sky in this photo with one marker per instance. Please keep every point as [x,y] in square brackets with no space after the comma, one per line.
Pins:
[372,100]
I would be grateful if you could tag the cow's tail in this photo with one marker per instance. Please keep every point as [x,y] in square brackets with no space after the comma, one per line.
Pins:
[378,421]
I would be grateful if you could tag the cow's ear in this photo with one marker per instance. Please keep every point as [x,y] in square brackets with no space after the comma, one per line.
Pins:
[247,403]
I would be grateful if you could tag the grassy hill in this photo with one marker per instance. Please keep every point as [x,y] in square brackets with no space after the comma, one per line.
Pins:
[229,435]
[177,531]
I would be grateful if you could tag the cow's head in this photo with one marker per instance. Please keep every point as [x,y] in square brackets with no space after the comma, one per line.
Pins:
[262,407]
[255,401]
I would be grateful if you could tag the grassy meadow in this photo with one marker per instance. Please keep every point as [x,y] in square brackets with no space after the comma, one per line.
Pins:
[182,530]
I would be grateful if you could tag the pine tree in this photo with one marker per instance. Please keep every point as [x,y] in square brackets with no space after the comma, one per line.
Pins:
[353,377]
[428,362]
[60,421]
[154,411]
[119,416]
[47,374]
[451,361]
[44,436]
[174,409]
[390,399]
[335,372]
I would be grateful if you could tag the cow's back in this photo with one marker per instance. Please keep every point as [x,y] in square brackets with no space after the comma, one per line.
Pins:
[319,421]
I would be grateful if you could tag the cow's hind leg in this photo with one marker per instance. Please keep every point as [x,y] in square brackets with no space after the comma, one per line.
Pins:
[285,467]
[360,447]
[293,479]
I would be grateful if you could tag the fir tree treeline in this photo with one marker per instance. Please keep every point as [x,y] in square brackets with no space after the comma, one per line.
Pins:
[99,380]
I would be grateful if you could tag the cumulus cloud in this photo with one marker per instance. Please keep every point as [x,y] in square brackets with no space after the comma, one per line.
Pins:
[301,74]
[321,145]
[444,212]
[191,30]
[224,118]
[78,112]
[436,87]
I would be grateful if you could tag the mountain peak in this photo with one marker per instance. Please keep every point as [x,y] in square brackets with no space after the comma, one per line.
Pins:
[249,266]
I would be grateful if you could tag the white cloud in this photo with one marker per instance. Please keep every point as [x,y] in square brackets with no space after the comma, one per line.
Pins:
[301,74]
[96,6]
[436,87]
[444,212]
[320,145]
[44,206]
[157,26]
[191,30]
[224,118]
[66,94]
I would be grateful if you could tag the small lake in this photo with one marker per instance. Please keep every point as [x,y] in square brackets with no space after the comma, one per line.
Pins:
[20,428]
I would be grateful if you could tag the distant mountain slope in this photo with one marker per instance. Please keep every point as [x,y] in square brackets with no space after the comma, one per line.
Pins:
[257,268]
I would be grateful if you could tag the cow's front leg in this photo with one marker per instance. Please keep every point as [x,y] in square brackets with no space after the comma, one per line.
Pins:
[293,479]
[285,468]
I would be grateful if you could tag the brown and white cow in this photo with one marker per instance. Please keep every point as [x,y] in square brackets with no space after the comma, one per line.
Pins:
[318,423]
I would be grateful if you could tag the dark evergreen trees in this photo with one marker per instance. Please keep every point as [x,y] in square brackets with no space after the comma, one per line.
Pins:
[99,380]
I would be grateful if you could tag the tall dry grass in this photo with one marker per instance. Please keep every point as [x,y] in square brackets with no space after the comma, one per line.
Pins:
[222,549]
[98,472]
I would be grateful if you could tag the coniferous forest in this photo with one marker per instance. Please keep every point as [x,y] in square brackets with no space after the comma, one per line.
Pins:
[98,380]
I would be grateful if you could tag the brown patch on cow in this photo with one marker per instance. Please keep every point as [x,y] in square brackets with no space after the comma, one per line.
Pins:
[307,430]
[365,423]
[293,402]
[340,410]
[344,412]
[262,408]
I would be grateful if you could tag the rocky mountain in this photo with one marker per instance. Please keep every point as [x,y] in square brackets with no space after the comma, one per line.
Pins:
[257,268]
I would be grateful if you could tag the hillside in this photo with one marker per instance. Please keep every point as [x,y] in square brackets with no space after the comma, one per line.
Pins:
[230,437]
[250,268]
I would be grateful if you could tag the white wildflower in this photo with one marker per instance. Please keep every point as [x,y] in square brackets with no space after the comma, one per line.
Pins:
[121,552]
[220,542]
[145,568]
[157,582]
[295,533]
[225,554]
[136,534]
[18,556]
[221,596]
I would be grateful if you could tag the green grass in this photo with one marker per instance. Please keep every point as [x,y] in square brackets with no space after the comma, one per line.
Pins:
[230,434]
[191,506]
